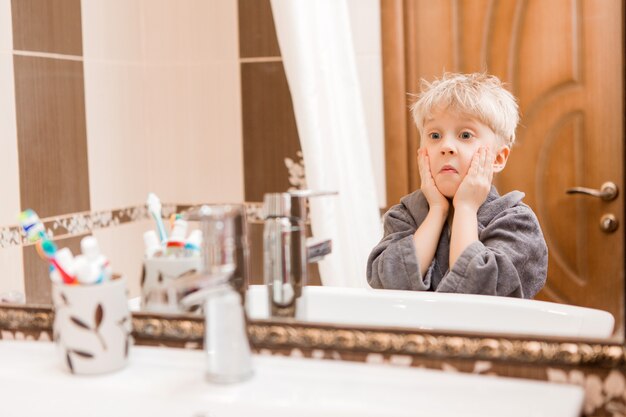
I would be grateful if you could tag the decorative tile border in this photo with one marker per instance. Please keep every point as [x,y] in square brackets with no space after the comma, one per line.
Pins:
[10,236]
[74,224]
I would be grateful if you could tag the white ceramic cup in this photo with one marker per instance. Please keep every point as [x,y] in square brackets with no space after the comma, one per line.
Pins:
[157,295]
[92,326]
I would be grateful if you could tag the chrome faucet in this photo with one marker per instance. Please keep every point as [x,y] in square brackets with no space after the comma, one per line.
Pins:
[225,241]
[286,250]
[228,355]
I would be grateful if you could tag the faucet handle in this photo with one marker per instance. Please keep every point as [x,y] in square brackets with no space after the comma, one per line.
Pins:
[299,198]
[317,249]
[311,193]
[290,204]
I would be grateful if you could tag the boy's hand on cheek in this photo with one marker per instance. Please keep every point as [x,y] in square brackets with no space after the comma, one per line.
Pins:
[475,187]
[435,199]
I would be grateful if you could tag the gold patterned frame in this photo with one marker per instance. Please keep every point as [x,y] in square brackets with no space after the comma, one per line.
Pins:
[286,335]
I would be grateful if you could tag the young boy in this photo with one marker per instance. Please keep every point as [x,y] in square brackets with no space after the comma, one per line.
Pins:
[457,234]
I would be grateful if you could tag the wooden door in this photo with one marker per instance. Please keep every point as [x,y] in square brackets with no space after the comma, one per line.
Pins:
[563,59]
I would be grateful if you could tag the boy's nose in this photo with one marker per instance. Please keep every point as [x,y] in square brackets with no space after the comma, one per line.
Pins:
[447,146]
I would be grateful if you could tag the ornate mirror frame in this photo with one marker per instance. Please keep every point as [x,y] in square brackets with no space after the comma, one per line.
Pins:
[599,366]
[171,330]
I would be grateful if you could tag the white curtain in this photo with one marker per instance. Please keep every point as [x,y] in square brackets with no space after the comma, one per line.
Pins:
[319,59]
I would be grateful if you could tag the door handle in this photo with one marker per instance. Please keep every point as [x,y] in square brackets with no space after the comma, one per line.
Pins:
[607,192]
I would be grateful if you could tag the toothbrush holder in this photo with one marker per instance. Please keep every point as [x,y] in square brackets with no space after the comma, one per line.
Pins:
[158,294]
[92,326]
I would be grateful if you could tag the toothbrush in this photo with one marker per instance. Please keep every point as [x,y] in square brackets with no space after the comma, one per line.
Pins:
[32,225]
[154,207]
[173,218]
[35,233]
[34,230]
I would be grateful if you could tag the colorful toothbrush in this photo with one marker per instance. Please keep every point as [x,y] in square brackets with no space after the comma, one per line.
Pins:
[154,207]
[36,233]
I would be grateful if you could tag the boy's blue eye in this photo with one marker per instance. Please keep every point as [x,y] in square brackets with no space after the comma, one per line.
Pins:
[466,135]
[434,135]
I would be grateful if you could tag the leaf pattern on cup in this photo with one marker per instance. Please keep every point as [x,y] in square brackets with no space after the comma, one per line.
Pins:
[187,273]
[143,275]
[79,323]
[81,353]
[64,299]
[85,322]
[69,362]
[99,315]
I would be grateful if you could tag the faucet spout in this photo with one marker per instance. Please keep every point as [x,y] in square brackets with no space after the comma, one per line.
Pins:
[286,249]
[226,344]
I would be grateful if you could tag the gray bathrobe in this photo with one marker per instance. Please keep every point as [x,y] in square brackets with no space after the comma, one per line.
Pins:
[510,258]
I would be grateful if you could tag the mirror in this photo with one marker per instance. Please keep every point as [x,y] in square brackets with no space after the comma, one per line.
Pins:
[192,105]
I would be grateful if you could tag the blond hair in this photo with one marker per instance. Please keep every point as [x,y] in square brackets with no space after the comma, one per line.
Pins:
[479,95]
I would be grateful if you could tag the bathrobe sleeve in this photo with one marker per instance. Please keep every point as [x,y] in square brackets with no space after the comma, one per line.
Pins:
[510,258]
[393,263]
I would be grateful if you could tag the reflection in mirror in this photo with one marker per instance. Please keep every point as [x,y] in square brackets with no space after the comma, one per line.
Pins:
[439,311]
[557,145]
[198,110]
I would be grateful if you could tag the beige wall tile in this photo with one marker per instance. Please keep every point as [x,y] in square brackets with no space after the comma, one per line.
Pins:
[222,18]
[170,122]
[192,119]
[112,30]
[9,170]
[6,27]
[221,88]
[12,270]
[189,31]
[119,166]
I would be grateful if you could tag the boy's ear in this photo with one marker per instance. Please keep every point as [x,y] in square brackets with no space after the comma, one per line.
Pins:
[502,155]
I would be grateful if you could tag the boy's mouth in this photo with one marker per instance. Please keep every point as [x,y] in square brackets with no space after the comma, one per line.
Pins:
[448,169]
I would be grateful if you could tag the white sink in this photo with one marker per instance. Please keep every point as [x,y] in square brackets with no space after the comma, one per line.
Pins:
[169,382]
[440,311]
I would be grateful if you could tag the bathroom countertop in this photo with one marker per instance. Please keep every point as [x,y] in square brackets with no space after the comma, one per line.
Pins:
[169,382]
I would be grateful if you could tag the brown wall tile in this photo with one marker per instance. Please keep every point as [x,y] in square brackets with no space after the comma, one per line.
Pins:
[52,138]
[36,277]
[269,129]
[257,34]
[52,26]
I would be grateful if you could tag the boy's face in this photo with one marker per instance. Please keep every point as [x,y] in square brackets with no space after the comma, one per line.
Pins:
[451,139]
